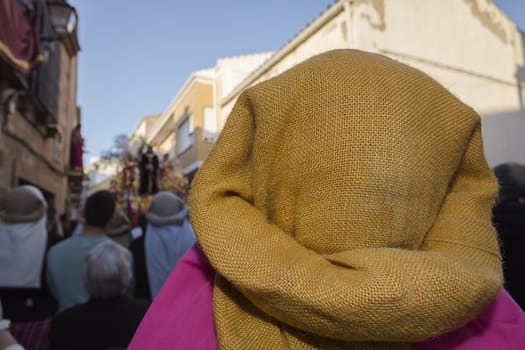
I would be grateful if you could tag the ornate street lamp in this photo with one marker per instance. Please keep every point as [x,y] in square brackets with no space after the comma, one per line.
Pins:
[63,17]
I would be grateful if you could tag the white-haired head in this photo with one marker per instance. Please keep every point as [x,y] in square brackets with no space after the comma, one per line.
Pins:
[107,271]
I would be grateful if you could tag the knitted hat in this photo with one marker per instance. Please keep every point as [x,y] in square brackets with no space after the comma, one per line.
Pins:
[22,204]
[119,224]
[165,209]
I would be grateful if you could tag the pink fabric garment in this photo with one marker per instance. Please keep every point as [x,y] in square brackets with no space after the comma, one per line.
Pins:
[500,326]
[181,316]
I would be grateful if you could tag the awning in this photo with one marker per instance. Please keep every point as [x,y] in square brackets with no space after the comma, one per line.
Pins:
[19,42]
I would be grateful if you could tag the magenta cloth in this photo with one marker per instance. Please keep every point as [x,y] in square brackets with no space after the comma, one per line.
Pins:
[181,316]
[19,41]
[32,335]
[500,326]
[78,153]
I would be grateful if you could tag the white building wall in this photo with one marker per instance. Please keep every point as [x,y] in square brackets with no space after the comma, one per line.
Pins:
[230,72]
[99,170]
[332,35]
[329,37]
[469,46]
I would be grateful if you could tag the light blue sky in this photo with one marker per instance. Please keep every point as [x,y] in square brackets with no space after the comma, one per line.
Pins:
[137,54]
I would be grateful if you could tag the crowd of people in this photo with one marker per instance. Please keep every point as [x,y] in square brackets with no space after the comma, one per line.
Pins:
[92,289]
[347,201]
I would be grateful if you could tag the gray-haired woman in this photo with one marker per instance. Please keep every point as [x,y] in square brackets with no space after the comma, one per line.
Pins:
[169,237]
[109,318]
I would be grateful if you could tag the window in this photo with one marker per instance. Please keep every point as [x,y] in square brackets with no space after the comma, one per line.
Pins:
[184,135]
[210,125]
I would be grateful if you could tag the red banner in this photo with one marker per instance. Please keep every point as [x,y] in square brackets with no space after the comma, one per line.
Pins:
[19,43]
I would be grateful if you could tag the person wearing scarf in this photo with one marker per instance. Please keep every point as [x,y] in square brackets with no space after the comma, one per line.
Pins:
[23,245]
[347,205]
[169,236]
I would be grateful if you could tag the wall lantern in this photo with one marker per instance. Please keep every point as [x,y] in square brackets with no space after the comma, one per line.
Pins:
[63,17]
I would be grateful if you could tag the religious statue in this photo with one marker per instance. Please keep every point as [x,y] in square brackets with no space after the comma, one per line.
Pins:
[149,167]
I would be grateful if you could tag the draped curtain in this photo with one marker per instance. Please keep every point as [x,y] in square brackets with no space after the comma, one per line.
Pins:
[19,42]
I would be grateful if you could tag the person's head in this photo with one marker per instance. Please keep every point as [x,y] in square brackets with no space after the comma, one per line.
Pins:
[511,179]
[107,271]
[165,209]
[149,149]
[119,227]
[99,208]
[23,237]
[23,204]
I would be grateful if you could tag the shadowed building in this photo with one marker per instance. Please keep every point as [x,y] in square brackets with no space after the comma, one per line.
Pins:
[38,89]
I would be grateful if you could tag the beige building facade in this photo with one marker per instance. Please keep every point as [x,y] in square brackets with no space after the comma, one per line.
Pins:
[181,130]
[138,138]
[189,126]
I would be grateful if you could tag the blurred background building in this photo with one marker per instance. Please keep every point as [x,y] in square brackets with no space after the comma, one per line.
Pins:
[38,100]
[469,46]
[189,126]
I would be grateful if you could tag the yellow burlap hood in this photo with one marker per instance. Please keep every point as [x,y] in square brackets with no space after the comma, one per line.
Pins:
[347,205]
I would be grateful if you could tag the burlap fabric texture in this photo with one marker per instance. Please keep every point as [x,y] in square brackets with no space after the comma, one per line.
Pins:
[347,205]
